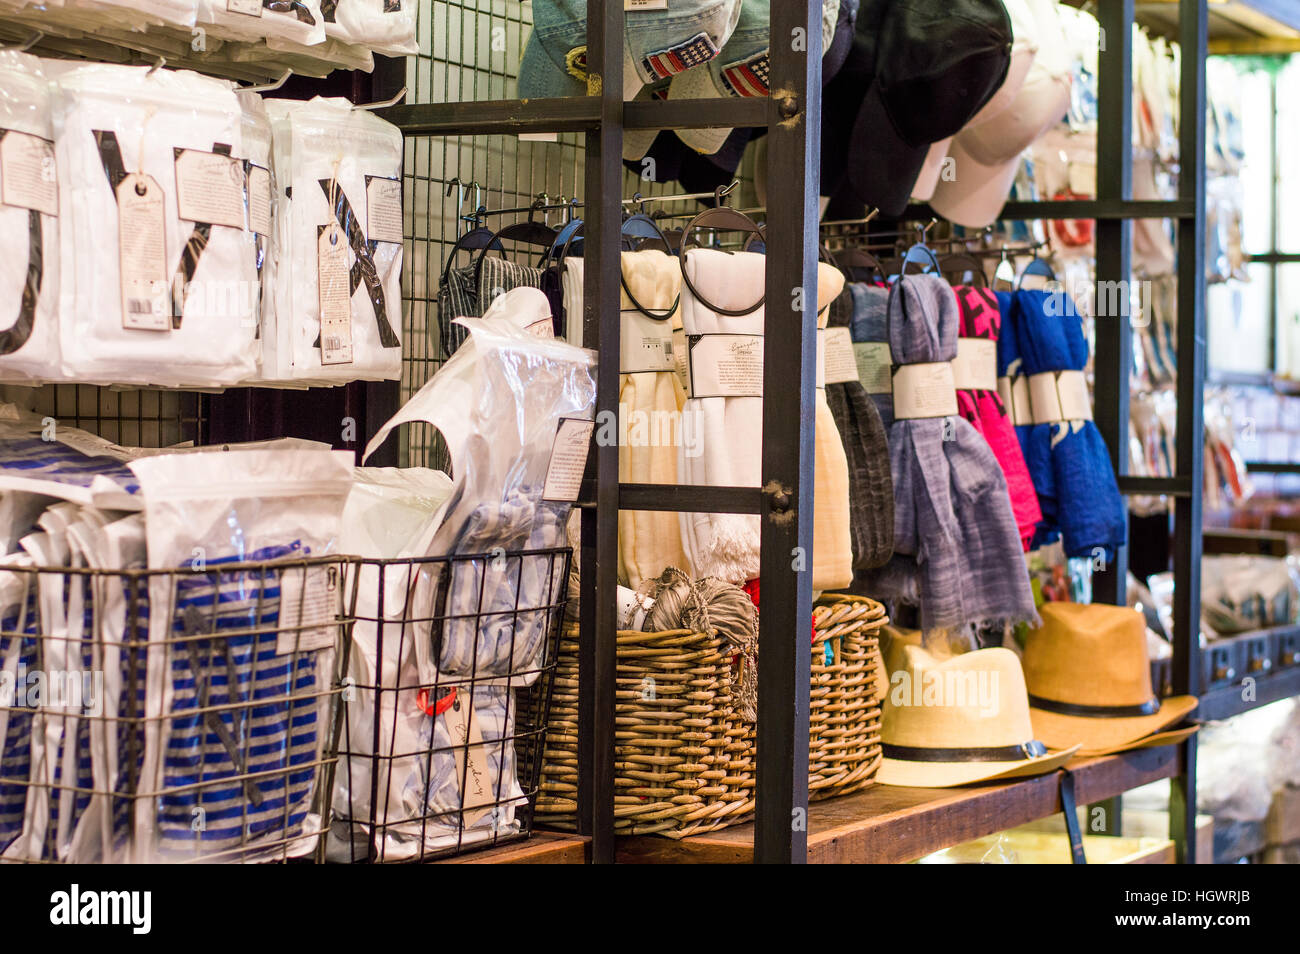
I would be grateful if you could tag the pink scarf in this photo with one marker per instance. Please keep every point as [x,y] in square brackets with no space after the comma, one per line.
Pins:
[980,318]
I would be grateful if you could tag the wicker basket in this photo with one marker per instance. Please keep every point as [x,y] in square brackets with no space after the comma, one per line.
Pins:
[684,755]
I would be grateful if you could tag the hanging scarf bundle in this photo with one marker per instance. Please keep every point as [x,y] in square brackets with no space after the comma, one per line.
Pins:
[871,489]
[957,549]
[1054,352]
[1034,440]
[978,400]
[726,406]
[468,291]
[832,541]
[869,328]
[571,281]
[650,400]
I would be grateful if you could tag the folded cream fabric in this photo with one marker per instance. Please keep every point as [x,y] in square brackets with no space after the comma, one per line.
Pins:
[571,284]
[832,563]
[728,430]
[650,412]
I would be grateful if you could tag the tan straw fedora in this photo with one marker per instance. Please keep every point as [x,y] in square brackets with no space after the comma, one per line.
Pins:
[959,720]
[1089,682]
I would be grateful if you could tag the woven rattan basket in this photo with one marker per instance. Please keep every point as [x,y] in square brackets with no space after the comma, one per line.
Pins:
[684,755]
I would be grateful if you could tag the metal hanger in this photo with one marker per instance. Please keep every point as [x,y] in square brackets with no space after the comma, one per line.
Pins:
[529,232]
[721,218]
[479,237]
[1037,266]
[268,87]
[919,254]
[641,225]
[384,103]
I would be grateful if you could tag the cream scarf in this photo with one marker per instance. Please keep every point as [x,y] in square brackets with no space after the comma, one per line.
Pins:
[832,563]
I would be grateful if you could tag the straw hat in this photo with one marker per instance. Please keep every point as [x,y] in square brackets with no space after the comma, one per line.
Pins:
[1089,681]
[959,720]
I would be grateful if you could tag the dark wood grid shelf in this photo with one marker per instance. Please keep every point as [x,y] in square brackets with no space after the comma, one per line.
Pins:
[889,825]
[1232,700]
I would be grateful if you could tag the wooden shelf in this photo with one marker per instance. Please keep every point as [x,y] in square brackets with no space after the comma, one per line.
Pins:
[1228,701]
[889,825]
[541,848]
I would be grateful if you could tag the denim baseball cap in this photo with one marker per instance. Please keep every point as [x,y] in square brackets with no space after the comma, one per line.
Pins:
[658,45]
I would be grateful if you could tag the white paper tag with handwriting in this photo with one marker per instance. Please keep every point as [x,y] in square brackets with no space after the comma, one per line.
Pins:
[725,365]
[334,291]
[473,775]
[27,176]
[976,366]
[259,199]
[875,364]
[568,459]
[637,5]
[924,390]
[841,363]
[249,8]
[210,188]
[383,209]
[142,254]
[311,601]
[646,344]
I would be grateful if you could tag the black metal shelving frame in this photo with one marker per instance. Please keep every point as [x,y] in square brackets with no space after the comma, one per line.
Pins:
[792,115]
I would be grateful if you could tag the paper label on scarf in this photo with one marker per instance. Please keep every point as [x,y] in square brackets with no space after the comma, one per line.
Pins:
[645,344]
[334,289]
[924,390]
[259,199]
[725,365]
[840,361]
[250,8]
[1024,408]
[1072,390]
[210,188]
[976,366]
[637,5]
[568,460]
[875,366]
[311,601]
[27,177]
[383,209]
[472,772]
[1043,398]
[679,355]
[142,254]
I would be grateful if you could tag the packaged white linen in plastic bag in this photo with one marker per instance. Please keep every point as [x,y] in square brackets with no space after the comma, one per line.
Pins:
[255,133]
[38,458]
[29,224]
[263,637]
[19,624]
[159,284]
[517,413]
[384,26]
[298,21]
[338,248]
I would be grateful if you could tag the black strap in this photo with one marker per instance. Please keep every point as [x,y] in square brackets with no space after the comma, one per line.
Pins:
[1071,812]
[1001,753]
[1150,707]
[363,269]
[15,336]
[193,250]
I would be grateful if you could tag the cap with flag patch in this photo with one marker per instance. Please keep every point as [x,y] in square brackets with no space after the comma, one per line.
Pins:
[662,41]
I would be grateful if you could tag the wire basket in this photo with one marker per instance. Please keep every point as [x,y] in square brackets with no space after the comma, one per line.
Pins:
[446,703]
[170,715]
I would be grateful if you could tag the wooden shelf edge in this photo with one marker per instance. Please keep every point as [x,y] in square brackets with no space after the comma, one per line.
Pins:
[540,848]
[1228,701]
[886,825]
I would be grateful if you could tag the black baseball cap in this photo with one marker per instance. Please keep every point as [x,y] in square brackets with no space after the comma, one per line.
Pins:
[917,72]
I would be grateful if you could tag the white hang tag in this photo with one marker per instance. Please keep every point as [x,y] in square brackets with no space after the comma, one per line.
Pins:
[27,172]
[259,199]
[1043,398]
[841,363]
[568,460]
[679,356]
[142,254]
[384,209]
[473,776]
[645,344]
[1024,407]
[210,188]
[976,366]
[249,8]
[725,365]
[875,366]
[541,328]
[924,390]
[639,5]
[334,288]
[311,601]
[1072,390]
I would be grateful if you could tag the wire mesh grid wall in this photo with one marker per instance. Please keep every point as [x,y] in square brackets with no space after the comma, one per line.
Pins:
[470,50]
